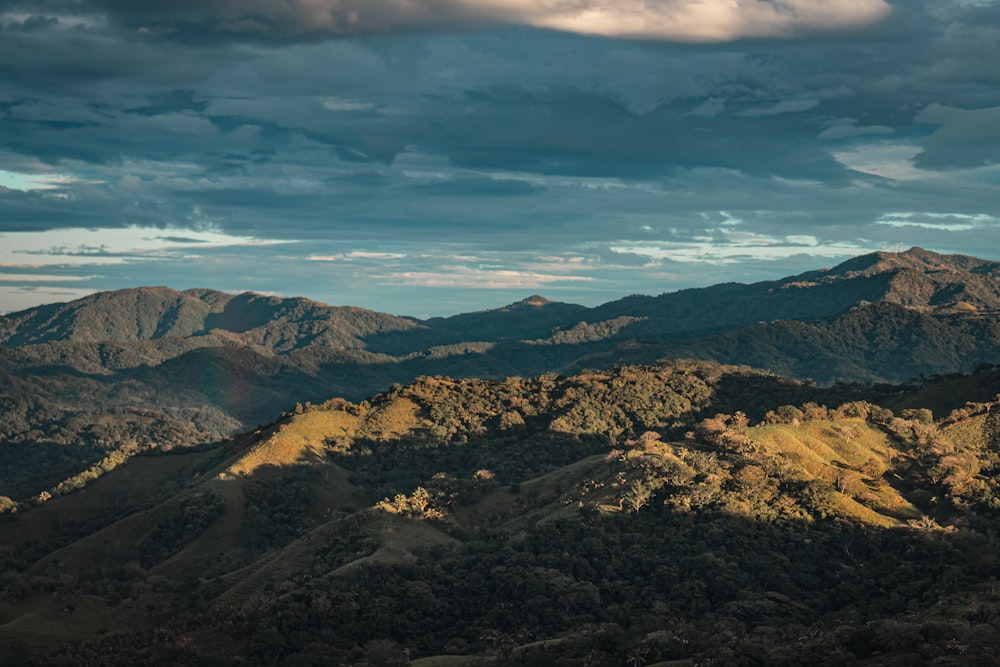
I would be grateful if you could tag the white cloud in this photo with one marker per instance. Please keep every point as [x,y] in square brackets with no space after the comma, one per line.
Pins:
[728,246]
[887,159]
[355,255]
[468,277]
[111,246]
[950,222]
[39,278]
[689,20]
[32,181]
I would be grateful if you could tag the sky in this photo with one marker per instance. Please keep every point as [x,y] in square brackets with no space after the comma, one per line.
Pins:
[432,157]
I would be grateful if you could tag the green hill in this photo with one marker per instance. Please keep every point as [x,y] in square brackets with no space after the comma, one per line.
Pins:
[682,513]
[175,368]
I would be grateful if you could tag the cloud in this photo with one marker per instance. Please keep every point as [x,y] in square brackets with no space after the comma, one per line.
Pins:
[949,222]
[758,248]
[412,140]
[847,128]
[887,159]
[964,137]
[477,187]
[338,104]
[103,246]
[356,255]
[31,181]
[39,278]
[684,20]
[705,21]
[465,277]
[783,107]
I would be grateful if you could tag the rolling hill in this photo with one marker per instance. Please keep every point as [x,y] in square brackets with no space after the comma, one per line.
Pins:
[675,514]
[199,365]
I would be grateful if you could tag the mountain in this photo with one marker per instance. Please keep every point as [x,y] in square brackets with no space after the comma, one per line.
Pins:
[199,365]
[673,514]
[158,313]
[204,478]
[875,342]
[916,278]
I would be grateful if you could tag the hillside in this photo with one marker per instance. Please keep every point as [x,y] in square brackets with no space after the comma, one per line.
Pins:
[877,342]
[157,313]
[916,279]
[200,365]
[682,513]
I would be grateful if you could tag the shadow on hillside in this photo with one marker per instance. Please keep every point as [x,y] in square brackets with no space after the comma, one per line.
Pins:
[22,465]
[755,394]
[383,469]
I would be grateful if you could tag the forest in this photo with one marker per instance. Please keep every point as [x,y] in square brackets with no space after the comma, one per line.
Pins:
[683,513]
[800,471]
[152,366]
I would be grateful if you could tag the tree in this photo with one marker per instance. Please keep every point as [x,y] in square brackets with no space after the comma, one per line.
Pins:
[785,414]
[386,653]
[739,421]
[638,495]
[919,415]
[7,505]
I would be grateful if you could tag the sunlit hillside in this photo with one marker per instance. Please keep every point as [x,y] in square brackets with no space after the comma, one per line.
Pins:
[614,516]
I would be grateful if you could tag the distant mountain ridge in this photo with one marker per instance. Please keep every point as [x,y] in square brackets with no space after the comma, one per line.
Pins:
[152,313]
[915,278]
[216,362]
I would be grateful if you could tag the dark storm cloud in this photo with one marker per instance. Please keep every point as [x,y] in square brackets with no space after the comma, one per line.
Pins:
[963,138]
[585,133]
[281,19]
[263,119]
[180,239]
[761,115]
[27,211]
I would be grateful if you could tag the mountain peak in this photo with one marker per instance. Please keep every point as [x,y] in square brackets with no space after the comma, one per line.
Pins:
[915,258]
[535,300]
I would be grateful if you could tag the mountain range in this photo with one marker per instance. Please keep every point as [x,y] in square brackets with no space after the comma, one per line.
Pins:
[153,366]
[210,363]
[799,471]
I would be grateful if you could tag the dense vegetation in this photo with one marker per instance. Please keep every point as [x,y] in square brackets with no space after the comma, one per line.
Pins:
[502,502]
[152,366]
[683,513]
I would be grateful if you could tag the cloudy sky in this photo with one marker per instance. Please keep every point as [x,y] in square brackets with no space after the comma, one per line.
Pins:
[428,157]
